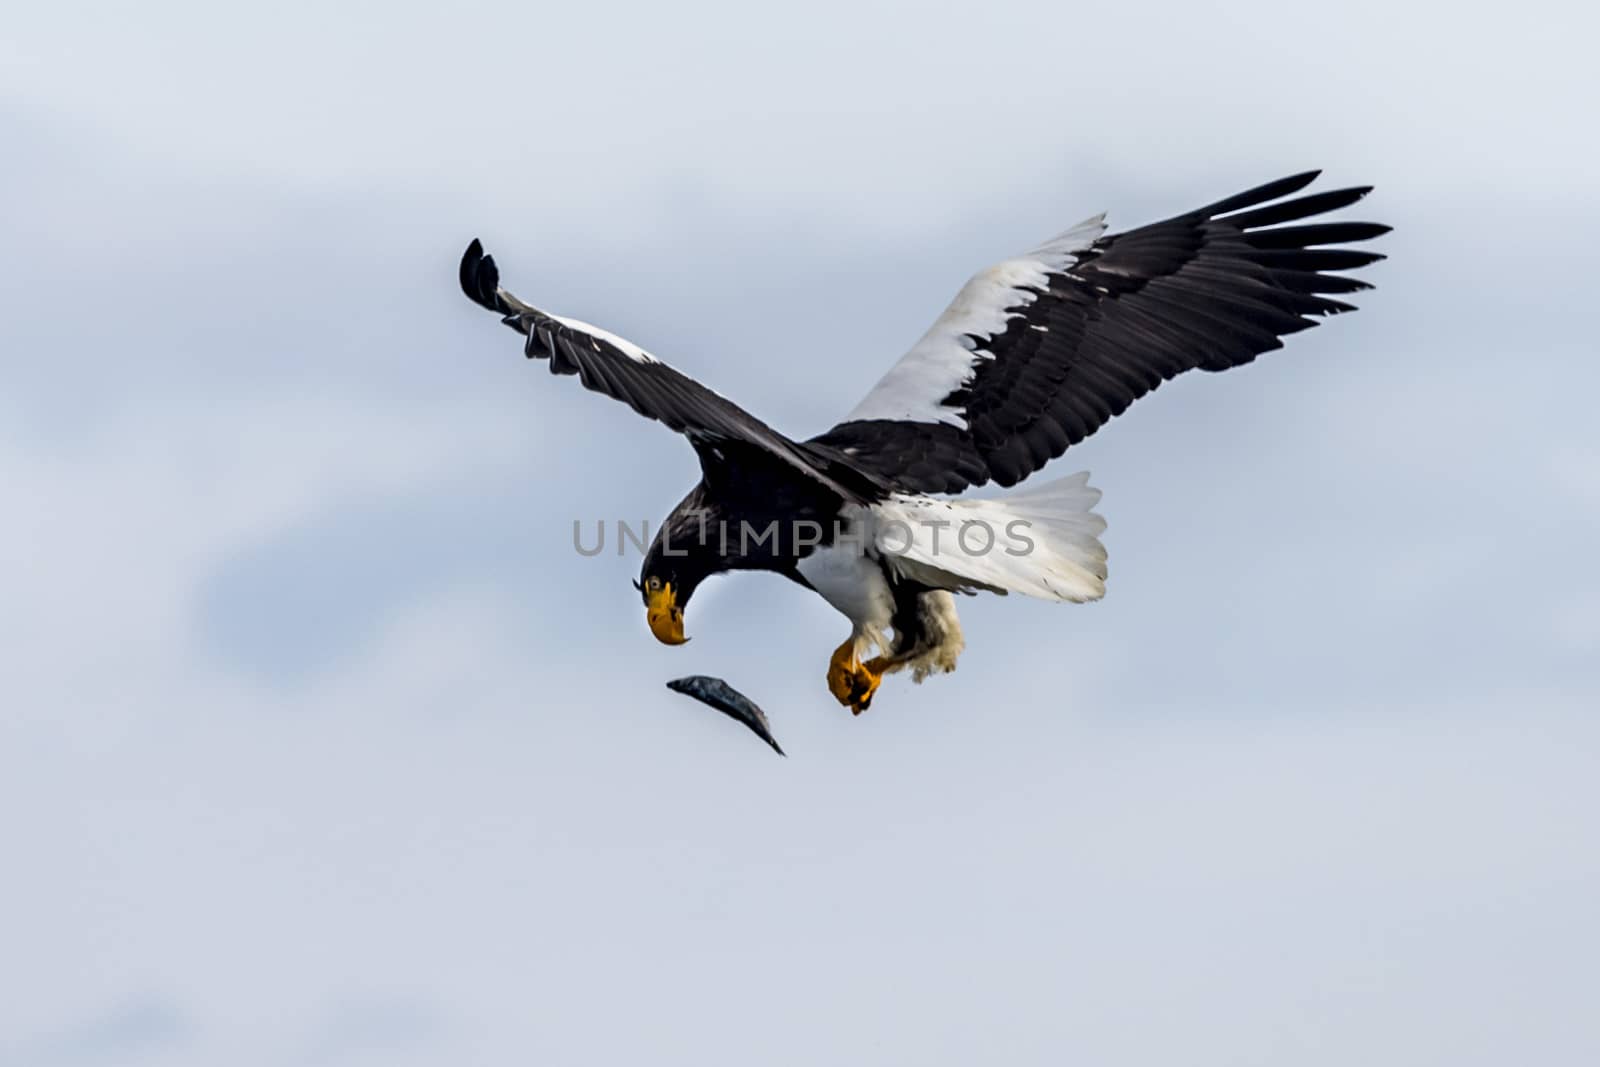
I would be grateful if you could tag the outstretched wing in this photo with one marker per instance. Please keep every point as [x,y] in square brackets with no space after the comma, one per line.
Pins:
[1038,352]
[622,370]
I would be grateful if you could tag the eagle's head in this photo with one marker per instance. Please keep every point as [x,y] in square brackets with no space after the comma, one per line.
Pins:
[680,558]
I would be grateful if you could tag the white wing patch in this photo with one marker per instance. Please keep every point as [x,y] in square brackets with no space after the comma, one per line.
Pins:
[623,345]
[626,347]
[944,359]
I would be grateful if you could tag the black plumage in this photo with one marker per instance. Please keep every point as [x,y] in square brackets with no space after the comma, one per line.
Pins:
[618,369]
[1208,290]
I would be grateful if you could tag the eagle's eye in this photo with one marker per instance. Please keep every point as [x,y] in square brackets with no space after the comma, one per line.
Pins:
[653,584]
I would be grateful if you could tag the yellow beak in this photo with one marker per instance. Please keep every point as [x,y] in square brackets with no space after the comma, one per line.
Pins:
[665,617]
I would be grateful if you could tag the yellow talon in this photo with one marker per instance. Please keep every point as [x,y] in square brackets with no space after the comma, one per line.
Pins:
[839,673]
[852,682]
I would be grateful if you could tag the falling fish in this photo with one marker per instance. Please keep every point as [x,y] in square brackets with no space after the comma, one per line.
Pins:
[725,698]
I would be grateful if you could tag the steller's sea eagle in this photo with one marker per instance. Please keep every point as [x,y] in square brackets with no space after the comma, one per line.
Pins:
[1032,356]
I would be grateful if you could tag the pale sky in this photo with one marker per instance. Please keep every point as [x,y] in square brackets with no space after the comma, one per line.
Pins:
[320,745]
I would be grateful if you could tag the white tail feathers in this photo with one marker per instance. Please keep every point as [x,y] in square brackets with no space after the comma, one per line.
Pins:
[1041,542]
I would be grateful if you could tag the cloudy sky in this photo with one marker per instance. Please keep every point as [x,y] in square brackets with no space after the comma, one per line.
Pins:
[319,745]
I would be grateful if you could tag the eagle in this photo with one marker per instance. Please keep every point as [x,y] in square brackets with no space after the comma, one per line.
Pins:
[1033,355]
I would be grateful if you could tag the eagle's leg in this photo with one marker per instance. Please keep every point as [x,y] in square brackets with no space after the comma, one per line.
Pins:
[851,681]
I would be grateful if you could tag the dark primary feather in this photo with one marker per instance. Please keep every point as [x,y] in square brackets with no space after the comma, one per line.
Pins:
[652,388]
[1208,290]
